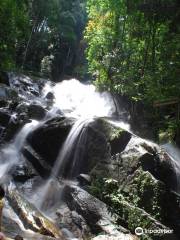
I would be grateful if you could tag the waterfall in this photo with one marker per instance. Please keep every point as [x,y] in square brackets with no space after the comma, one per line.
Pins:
[79,100]
[11,154]
[174,153]
[72,149]
[73,99]
[82,102]
[68,163]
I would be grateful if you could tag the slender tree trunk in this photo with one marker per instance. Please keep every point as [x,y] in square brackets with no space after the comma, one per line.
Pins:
[27,46]
[153,44]
[146,53]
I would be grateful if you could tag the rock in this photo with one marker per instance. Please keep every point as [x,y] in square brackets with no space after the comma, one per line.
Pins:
[10,123]
[89,147]
[145,175]
[4,78]
[38,163]
[22,108]
[119,237]
[36,111]
[11,229]
[12,129]
[138,153]
[144,191]
[55,131]
[50,96]
[18,237]
[134,217]
[49,137]
[119,141]
[26,86]
[122,164]
[92,210]
[73,222]
[5,117]
[31,217]
[86,205]
[2,134]
[3,103]
[8,93]
[23,172]
[84,179]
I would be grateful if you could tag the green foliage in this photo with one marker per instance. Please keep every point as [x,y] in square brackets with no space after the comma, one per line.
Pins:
[13,27]
[116,133]
[39,34]
[146,192]
[133,47]
[63,25]
[143,192]
[168,130]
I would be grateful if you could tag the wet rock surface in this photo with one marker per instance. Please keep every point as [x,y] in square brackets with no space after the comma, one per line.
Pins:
[93,211]
[49,138]
[140,173]
[144,177]
[31,217]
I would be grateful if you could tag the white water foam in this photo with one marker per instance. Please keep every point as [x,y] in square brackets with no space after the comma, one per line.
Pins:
[174,153]
[79,100]
[10,155]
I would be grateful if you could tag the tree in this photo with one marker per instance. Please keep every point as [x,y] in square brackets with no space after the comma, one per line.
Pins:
[35,34]
[13,29]
[133,47]
[56,29]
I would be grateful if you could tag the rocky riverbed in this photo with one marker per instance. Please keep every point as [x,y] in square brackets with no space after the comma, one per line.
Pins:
[120,181]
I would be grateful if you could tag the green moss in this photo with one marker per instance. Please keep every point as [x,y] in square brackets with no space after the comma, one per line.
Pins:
[116,133]
[146,192]
[137,204]
[109,130]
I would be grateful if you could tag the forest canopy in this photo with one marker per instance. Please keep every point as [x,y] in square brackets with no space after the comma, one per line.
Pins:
[133,47]
[41,36]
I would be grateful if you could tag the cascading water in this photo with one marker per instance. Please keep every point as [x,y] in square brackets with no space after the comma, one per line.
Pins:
[11,154]
[73,99]
[174,153]
[67,163]
[82,102]
[79,100]
[72,150]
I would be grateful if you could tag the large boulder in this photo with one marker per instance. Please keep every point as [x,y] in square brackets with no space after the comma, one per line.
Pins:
[94,211]
[145,175]
[8,93]
[89,144]
[36,111]
[48,139]
[26,86]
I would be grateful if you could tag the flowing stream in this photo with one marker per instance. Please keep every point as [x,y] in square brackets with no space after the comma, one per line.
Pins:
[11,154]
[174,153]
[83,103]
[73,99]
